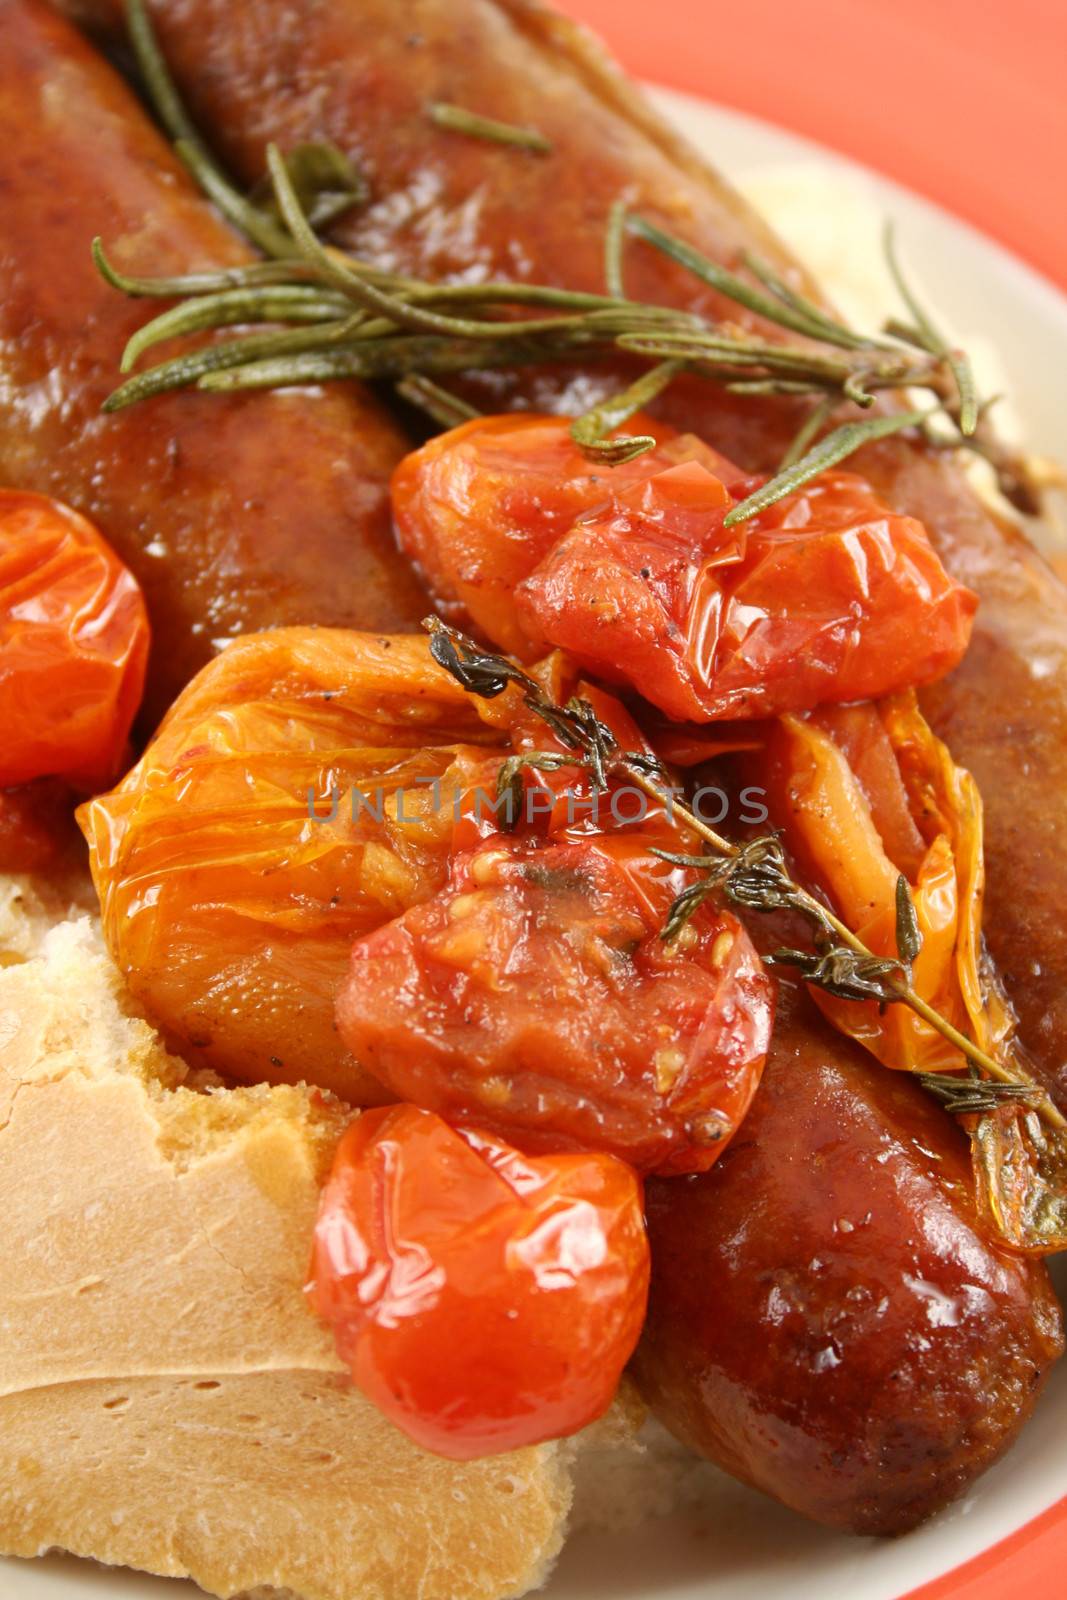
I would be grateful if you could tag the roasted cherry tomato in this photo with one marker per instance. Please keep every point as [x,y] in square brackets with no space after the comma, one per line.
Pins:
[479,507]
[287,805]
[73,646]
[37,828]
[864,794]
[825,597]
[535,996]
[483,1300]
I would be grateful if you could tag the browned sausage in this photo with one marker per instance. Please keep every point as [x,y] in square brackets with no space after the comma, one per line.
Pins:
[764,1398]
[272,509]
[826,1321]
[362,72]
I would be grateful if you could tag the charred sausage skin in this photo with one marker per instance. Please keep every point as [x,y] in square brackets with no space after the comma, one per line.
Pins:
[826,1319]
[254,512]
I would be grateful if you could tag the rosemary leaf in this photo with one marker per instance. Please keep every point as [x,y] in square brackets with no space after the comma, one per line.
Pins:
[614,238]
[446,409]
[972,1095]
[256,274]
[291,303]
[591,431]
[324,180]
[457,120]
[827,453]
[685,906]
[830,328]
[909,935]
[734,288]
[927,336]
[215,359]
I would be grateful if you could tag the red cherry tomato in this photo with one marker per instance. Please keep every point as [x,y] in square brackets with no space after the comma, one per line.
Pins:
[477,508]
[482,1300]
[37,828]
[534,996]
[826,597]
[73,646]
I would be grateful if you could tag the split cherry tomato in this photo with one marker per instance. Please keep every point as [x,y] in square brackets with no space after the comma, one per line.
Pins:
[478,507]
[864,794]
[826,597]
[535,996]
[73,646]
[484,1301]
[296,795]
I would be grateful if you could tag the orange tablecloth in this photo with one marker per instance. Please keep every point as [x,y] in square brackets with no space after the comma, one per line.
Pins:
[964,102]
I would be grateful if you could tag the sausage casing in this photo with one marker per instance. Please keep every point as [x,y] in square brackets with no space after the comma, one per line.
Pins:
[233,516]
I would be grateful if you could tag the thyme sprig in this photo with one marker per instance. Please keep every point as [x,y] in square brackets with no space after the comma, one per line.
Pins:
[350,320]
[752,875]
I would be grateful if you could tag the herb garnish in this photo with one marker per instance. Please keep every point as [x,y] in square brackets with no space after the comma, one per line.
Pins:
[752,875]
[478,127]
[350,320]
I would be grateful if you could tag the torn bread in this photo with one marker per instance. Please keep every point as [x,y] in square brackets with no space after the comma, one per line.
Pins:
[167,1401]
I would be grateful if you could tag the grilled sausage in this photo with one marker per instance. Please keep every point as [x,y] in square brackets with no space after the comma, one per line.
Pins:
[362,72]
[265,510]
[826,1321]
[863,1385]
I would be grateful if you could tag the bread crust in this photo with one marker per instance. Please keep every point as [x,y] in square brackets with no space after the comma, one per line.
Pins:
[167,1400]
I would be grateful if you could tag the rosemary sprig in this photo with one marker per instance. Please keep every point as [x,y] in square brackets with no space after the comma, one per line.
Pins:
[753,875]
[399,328]
[458,120]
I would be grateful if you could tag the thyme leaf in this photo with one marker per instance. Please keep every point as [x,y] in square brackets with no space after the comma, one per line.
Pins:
[971,1095]
[846,973]
[909,935]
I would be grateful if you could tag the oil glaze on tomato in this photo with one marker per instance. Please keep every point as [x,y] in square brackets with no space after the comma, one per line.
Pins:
[483,1300]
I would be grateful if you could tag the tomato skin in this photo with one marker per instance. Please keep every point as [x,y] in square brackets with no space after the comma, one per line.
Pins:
[826,597]
[231,910]
[478,507]
[73,646]
[37,828]
[484,1301]
[534,996]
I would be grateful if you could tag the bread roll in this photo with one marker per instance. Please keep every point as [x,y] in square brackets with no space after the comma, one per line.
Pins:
[167,1400]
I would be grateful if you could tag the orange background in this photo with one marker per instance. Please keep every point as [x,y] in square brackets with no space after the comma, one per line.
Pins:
[963,100]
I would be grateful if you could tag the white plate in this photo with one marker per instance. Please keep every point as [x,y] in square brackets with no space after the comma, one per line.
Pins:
[741,1546]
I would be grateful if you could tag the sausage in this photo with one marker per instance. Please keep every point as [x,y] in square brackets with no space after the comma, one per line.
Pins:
[925,1392]
[361,72]
[259,511]
[825,1320]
